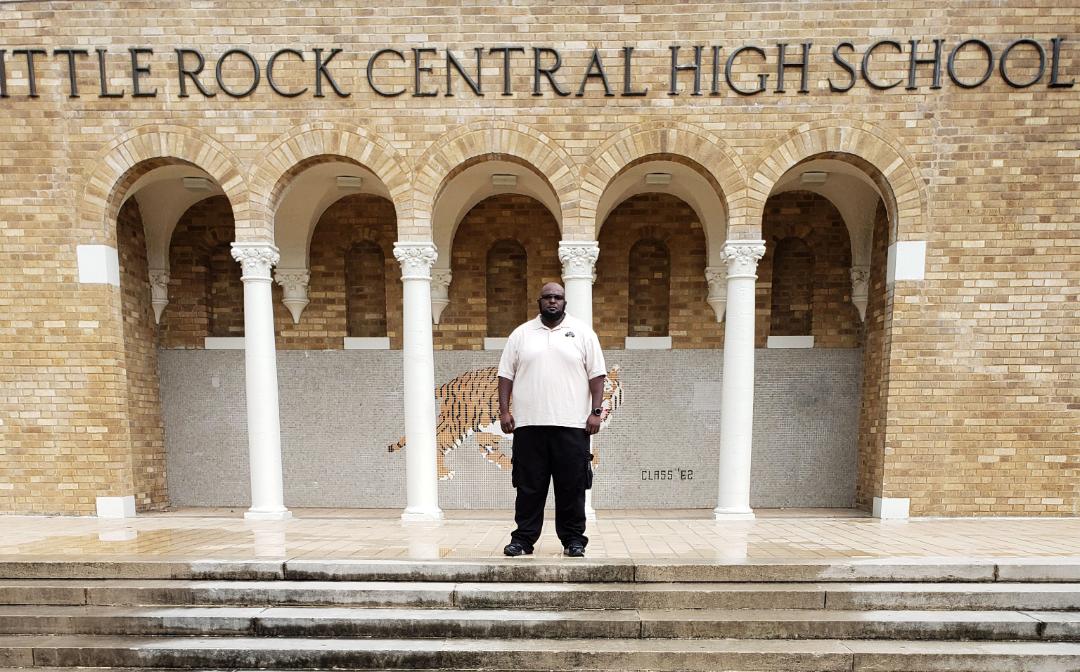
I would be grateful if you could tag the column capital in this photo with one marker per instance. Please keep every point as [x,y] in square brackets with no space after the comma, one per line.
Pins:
[416,260]
[860,288]
[578,258]
[716,276]
[294,282]
[742,257]
[256,259]
[440,291]
[159,292]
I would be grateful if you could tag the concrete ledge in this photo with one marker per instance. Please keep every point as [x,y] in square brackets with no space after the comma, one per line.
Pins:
[223,342]
[141,569]
[522,570]
[366,343]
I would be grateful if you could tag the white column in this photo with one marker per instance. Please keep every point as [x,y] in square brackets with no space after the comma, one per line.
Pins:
[579,272]
[579,262]
[421,469]
[737,388]
[261,383]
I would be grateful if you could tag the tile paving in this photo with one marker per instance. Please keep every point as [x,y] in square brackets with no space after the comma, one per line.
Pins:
[635,535]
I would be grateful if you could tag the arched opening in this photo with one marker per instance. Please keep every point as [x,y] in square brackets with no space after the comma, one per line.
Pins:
[649,289]
[825,232]
[507,287]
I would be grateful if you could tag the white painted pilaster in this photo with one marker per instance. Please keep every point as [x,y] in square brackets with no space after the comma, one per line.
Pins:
[906,261]
[261,383]
[98,265]
[159,292]
[294,285]
[421,469]
[116,507]
[860,288]
[440,292]
[578,258]
[892,508]
[737,385]
[716,276]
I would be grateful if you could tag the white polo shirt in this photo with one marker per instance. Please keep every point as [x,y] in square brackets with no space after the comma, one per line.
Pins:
[551,370]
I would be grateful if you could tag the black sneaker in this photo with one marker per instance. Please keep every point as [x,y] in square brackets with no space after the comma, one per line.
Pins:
[516,548]
[574,550]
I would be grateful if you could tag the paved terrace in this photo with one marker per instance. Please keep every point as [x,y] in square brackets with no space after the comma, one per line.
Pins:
[692,535]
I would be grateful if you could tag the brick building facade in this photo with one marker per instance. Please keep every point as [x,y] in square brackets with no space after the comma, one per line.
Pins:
[913,214]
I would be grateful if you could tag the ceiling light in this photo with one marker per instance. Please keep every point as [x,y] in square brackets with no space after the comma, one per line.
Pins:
[503,180]
[349,181]
[197,184]
[814,177]
[657,178]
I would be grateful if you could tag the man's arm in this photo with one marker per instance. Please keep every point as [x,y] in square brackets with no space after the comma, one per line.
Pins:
[506,420]
[596,389]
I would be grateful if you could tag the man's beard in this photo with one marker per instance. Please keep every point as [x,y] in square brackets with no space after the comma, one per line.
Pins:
[553,316]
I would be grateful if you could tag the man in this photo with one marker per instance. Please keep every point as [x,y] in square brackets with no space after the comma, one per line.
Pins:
[553,370]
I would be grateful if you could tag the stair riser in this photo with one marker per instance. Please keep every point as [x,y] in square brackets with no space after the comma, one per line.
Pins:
[862,601]
[510,629]
[585,599]
[447,660]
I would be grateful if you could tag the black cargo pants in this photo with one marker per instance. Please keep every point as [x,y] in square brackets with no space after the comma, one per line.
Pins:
[542,454]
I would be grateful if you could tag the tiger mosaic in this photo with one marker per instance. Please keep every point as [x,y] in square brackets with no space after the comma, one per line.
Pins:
[469,405]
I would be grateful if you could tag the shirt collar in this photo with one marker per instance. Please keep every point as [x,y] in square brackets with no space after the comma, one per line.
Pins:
[539,324]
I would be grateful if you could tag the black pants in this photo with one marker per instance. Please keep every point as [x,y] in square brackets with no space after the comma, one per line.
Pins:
[543,454]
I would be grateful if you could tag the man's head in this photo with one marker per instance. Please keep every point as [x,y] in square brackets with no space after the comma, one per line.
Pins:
[552,302]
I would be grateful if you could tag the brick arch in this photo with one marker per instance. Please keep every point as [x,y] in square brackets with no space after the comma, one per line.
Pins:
[880,156]
[502,139]
[674,138]
[131,155]
[307,144]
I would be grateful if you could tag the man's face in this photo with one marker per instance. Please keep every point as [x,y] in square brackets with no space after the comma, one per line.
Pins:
[552,303]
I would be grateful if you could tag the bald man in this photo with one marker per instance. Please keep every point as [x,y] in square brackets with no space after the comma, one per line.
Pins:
[552,374]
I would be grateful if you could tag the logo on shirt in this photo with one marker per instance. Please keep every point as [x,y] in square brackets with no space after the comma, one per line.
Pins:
[570,334]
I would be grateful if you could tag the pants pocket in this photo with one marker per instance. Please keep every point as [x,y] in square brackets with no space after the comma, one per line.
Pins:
[588,472]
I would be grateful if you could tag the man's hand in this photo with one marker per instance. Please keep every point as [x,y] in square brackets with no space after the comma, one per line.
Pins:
[506,421]
[592,425]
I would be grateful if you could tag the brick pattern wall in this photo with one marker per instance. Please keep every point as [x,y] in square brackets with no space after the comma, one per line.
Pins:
[507,300]
[991,331]
[463,325]
[669,220]
[871,447]
[140,363]
[353,220]
[649,291]
[206,296]
[813,220]
[365,287]
[792,309]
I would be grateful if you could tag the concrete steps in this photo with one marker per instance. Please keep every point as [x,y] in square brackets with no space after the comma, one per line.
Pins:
[336,622]
[540,654]
[531,614]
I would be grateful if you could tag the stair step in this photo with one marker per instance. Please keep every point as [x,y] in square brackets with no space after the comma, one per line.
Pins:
[336,622]
[541,654]
[896,596]
[556,570]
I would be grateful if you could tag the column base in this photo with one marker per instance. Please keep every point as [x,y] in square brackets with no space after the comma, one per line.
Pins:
[892,508]
[116,507]
[590,512]
[274,514]
[419,515]
[733,513]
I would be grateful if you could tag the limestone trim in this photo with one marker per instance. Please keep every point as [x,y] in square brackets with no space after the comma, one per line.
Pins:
[298,145]
[494,137]
[130,155]
[294,283]
[903,187]
[660,137]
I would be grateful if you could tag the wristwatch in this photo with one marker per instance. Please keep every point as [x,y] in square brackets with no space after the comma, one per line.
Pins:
[598,412]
